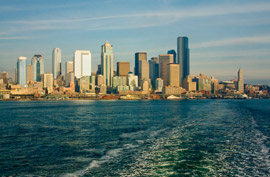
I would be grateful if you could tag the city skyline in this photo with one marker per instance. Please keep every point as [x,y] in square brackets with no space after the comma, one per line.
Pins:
[237,35]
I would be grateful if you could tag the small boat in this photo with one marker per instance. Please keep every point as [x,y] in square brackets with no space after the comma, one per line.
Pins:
[172,97]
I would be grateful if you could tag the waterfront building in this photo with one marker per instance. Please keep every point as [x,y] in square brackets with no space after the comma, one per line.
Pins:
[139,56]
[83,84]
[190,83]
[215,85]
[174,55]
[69,67]
[173,90]
[4,76]
[21,71]
[123,68]
[183,58]
[56,62]
[164,60]
[82,63]
[143,71]
[153,70]
[100,80]
[240,82]
[132,81]
[145,86]
[159,85]
[203,83]
[173,74]
[47,80]
[37,67]
[119,81]
[107,63]
[29,73]
[70,78]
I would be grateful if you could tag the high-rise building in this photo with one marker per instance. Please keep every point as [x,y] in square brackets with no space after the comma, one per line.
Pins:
[132,81]
[29,73]
[183,58]
[56,62]
[159,85]
[153,70]
[70,78]
[37,67]
[21,71]
[139,56]
[174,55]
[240,82]
[173,74]
[82,63]
[100,80]
[107,63]
[164,60]
[4,76]
[123,68]
[69,67]
[143,71]
[47,80]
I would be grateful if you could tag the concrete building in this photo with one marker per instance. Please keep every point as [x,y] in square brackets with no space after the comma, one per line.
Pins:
[21,71]
[132,81]
[37,67]
[83,84]
[183,58]
[29,73]
[4,76]
[139,56]
[189,83]
[174,55]
[56,62]
[69,67]
[119,81]
[203,83]
[82,63]
[164,60]
[159,85]
[215,85]
[173,74]
[240,82]
[173,90]
[107,63]
[143,71]
[153,70]
[100,80]
[47,80]
[123,68]
[70,78]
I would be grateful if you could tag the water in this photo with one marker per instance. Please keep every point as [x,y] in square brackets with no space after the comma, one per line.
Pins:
[135,138]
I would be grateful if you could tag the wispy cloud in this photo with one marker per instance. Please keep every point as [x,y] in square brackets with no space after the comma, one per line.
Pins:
[15,37]
[234,41]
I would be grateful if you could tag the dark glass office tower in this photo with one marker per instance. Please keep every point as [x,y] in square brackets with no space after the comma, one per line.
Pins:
[183,58]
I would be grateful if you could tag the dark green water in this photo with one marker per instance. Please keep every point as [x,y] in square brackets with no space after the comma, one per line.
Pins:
[135,138]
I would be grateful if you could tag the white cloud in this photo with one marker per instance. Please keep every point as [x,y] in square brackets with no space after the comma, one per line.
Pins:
[14,37]
[234,41]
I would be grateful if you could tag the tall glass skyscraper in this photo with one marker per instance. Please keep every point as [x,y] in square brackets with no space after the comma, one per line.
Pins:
[38,67]
[82,63]
[21,71]
[107,63]
[56,62]
[183,58]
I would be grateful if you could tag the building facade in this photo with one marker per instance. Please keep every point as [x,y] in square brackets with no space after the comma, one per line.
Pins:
[37,67]
[153,70]
[69,67]
[21,71]
[56,62]
[123,68]
[240,82]
[107,63]
[183,58]
[174,55]
[82,63]
[47,80]
[164,60]
[173,74]
[29,73]
[139,56]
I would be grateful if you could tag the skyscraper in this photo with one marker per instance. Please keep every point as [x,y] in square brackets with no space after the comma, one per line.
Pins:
[29,73]
[82,63]
[56,62]
[107,63]
[4,76]
[47,80]
[138,57]
[143,71]
[123,68]
[240,82]
[174,55]
[173,74]
[164,60]
[69,67]
[21,71]
[153,70]
[183,58]
[37,67]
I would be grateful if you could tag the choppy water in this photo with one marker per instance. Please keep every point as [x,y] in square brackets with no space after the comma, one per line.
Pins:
[135,138]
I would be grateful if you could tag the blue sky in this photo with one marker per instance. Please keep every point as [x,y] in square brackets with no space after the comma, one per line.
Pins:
[223,35]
